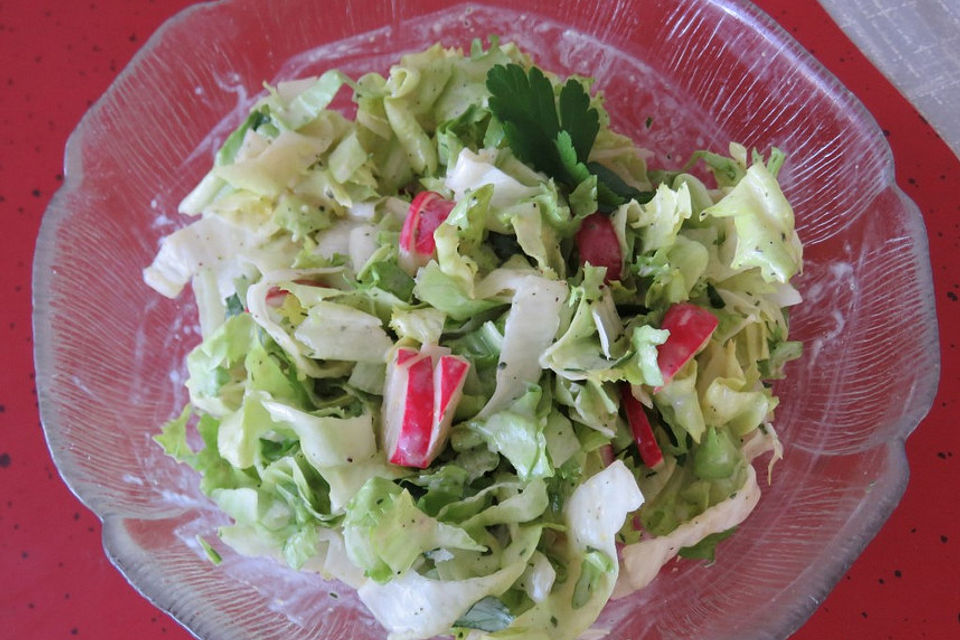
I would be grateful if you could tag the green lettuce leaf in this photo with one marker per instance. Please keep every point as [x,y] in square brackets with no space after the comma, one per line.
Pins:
[679,404]
[764,225]
[706,549]
[385,533]
[517,433]
[593,515]
[414,606]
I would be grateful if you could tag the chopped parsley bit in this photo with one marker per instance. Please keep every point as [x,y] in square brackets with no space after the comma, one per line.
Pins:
[212,554]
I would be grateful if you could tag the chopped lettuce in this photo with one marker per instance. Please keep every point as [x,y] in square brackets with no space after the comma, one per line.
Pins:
[416,606]
[385,533]
[764,224]
[594,513]
[337,301]
[517,433]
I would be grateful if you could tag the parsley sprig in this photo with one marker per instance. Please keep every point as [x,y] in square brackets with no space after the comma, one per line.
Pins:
[554,134]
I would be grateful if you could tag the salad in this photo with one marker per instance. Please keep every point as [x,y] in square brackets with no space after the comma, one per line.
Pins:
[464,352]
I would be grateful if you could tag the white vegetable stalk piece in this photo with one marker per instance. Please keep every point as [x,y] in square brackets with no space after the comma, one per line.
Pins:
[530,328]
[334,331]
[474,170]
[210,243]
[258,306]
[421,394]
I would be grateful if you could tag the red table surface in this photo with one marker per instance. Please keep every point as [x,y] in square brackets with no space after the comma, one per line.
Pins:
[58,57]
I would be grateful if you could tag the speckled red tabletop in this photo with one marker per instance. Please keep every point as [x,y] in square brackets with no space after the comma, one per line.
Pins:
[55,582]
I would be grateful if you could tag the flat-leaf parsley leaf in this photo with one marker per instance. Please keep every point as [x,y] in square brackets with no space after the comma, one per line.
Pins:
[553,134]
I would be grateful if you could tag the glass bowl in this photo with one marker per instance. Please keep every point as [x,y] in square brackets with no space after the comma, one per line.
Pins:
[110,351]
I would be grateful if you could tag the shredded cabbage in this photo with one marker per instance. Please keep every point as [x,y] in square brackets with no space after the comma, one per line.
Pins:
[325,291]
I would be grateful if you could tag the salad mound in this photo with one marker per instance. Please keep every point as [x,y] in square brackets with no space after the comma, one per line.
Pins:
[465,353]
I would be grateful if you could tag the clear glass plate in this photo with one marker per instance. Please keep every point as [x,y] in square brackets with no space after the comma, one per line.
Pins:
[110,351]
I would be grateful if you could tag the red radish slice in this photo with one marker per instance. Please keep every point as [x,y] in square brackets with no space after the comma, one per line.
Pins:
[416,429]
[404,354]
[420,398]
[427,211]
[397,412]
[275,297]
[640,426]
[448,378]
[598,245]
[434,209]
[451,372]
[606,455]
[690,329]
[408,412]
